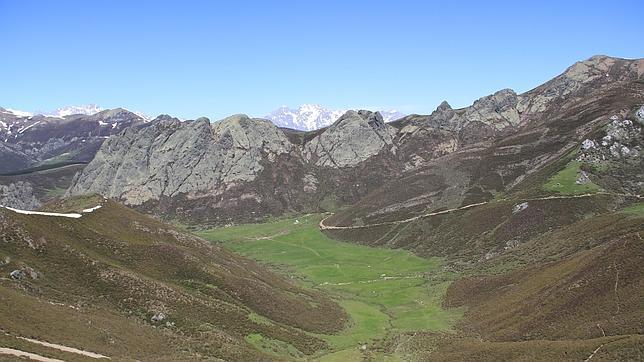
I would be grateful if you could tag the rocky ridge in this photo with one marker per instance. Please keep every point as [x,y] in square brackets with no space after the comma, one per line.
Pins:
[167,157]
[352,139]
[248,167]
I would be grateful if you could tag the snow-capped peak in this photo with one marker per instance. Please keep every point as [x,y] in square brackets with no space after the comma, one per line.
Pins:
[309,117]
[16,113]
[87,109]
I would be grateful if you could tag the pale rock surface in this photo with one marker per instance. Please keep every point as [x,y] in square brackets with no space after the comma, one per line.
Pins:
[353,138]
[19,195]
[167,157]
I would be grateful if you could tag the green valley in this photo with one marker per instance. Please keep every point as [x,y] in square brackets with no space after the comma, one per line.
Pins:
[383,290]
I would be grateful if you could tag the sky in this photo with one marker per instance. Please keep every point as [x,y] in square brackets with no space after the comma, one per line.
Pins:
[216,58]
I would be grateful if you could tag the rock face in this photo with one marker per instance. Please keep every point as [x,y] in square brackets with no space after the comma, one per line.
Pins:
[498,110]
[352,139]
[19,195]
[168,157]
[241,168]
[29,141]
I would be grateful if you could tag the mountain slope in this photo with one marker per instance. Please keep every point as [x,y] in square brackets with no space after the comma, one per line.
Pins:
[453,159]
[31,141]
[114,263]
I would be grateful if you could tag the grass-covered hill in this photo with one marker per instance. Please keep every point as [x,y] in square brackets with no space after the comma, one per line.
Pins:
[125,285]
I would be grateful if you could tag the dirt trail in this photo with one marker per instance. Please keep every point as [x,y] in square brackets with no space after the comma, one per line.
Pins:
[397,222]
[382,279]
[60,347]
[65,348]
[32,356]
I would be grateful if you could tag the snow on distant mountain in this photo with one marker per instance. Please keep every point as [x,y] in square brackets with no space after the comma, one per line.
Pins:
[309,117]
[15,113]
[391,115]
[87,109]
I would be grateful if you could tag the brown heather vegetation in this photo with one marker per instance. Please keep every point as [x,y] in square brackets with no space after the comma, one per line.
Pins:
[103,277]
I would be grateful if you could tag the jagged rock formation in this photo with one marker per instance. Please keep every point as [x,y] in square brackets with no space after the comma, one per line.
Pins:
[167,157]
[454,157]
[244,168]
[352,139]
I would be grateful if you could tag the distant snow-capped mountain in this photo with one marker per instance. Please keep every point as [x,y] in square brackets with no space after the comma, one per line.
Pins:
[309,117]
[87,109]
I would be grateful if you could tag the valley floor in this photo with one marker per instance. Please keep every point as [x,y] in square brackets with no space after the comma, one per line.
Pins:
[386,292]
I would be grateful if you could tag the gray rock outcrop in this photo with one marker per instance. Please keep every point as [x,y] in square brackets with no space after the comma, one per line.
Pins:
[19,195]
[498,110]
[353,138]
[167,157]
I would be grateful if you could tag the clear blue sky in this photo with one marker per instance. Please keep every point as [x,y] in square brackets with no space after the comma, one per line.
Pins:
[215,58]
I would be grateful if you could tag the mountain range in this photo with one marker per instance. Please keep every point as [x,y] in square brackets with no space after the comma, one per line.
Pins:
[508,229]
[242,167]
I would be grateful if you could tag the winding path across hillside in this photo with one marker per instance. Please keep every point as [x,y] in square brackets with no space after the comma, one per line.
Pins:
[323,226]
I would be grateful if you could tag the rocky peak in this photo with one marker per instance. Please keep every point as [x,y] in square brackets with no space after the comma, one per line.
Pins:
[246,133]
[589,69]
[580,78]
[374,119]
[498,110]
[353,138]
[445,117]
[443,107]
[165,117]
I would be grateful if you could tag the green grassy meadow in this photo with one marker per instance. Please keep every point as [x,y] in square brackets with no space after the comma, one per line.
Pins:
[636,210]
[383,290]
[564,182]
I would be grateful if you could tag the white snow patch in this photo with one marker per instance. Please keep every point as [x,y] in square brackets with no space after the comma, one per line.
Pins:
[88,109]
[27,212]
[91,209]
[26,128]
[19,113]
